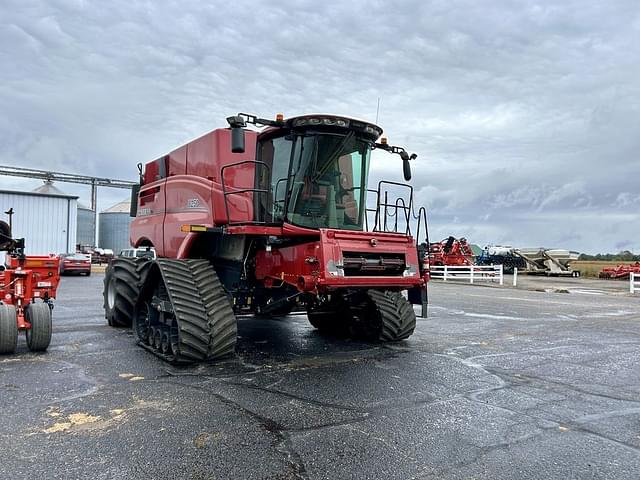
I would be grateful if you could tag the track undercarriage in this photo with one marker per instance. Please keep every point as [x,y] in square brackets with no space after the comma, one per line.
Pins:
[180,311]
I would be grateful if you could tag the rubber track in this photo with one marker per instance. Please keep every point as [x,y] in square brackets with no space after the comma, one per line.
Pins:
[398,319]
[221,319]
[206,323]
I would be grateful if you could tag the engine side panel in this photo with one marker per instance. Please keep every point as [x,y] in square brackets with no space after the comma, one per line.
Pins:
[185,187]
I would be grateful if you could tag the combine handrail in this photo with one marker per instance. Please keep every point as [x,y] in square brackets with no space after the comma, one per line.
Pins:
[226,193]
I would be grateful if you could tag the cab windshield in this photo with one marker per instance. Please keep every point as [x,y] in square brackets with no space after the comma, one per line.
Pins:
[316,180]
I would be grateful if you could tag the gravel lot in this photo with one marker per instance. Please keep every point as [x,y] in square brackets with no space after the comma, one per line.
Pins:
[496,383]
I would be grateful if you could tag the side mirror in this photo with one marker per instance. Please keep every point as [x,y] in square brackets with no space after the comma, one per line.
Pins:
[406,167]
[133,209]
[237,140]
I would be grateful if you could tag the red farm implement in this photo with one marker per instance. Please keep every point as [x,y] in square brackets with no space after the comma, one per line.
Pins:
[620,272]
[451,252]
[27,288]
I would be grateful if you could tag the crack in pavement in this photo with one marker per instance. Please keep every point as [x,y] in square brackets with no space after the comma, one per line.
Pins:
[282,444]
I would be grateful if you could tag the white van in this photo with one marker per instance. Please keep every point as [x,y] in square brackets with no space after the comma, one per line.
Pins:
[138,252]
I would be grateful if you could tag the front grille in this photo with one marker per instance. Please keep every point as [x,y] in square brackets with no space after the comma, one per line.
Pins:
[366,264]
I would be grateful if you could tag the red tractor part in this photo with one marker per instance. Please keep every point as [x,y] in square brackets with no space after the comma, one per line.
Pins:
[266,222]
[27,288]
[451,252]
[620,272]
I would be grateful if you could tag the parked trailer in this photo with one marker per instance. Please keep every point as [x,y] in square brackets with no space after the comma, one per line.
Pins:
[548,261]
[502,255]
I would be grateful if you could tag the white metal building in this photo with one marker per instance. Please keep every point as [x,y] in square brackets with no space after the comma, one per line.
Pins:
[46,218]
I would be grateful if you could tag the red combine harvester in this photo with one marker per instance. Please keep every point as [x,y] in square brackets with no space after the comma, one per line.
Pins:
[620,272]
[451,252]
[267,222]
[28,286]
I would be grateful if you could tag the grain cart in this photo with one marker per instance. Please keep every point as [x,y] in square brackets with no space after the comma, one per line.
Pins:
[28,286]
[264,222]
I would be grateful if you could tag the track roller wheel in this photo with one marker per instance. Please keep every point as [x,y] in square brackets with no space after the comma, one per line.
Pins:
[39,335]
[8,329]
[183,314]
[383,315]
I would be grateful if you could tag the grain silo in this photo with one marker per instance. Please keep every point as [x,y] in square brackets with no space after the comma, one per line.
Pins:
[86,233]
[114,227]
[46,218]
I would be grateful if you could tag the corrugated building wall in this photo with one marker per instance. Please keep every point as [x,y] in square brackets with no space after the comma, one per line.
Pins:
[114,227]
[47,221]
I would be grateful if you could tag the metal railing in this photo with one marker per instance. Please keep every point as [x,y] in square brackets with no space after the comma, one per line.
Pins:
[397,216]
[634,282]
[470,273]
[242,191]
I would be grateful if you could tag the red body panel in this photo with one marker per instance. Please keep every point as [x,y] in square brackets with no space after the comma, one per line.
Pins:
[192,192]
[318,265]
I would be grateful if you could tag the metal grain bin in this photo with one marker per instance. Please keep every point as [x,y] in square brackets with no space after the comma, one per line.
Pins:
[86,230]
[114,227]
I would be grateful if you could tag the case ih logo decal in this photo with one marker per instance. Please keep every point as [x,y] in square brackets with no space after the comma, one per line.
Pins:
[144,211]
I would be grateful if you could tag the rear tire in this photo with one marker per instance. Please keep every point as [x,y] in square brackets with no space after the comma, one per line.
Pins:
[39,335]
[8,329]
[121,289]
[384,316]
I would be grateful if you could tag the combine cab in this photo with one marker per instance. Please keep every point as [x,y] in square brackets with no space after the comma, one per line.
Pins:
[27,288]
[268,222]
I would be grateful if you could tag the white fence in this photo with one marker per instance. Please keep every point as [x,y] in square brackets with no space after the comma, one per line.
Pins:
[474,273]
[634,282]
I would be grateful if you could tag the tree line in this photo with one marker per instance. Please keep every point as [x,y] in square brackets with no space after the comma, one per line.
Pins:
[624,256]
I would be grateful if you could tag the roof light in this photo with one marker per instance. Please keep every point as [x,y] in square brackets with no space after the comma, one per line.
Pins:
[279,117]
[383,140]
[330,121]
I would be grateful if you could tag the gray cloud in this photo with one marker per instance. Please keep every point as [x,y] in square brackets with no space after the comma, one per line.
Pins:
[525,115]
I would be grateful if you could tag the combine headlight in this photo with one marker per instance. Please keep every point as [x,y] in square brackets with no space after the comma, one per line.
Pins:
[373,130]
[331,121]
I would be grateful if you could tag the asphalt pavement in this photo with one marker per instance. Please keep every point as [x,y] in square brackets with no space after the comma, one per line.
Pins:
[496,384]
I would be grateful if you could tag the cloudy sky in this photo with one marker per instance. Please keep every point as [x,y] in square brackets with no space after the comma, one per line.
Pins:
[525,115]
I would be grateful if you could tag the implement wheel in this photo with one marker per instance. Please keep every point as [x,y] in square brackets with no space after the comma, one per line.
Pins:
[8,329]
[39,335]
